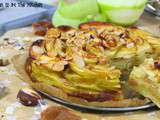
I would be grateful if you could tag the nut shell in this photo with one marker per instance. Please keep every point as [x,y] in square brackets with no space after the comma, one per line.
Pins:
[157,64]
[4,62]
[28,97]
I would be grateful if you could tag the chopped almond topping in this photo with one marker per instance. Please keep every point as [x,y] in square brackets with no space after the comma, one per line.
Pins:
[59,66]
[90,55]
[130,45]
[110,43]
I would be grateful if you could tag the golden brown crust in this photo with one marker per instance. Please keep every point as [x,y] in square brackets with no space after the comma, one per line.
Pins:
[64,28]
[53,91]
[94,24]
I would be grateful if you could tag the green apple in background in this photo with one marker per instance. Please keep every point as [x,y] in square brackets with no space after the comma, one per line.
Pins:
[100,17]
[75,12]
[79,9]
[123,12]
[58,20]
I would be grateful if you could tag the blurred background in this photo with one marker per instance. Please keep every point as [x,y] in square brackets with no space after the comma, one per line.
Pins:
[19,13]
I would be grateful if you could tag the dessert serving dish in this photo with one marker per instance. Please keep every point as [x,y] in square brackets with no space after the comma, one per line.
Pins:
[90,67]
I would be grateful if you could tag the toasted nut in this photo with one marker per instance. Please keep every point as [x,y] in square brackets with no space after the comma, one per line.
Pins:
[59,66]
[36,51]
[28,97]
[90,55]
[79,61]
[4,62]
[110,43]
[53,33]
[40,28]
[3,90]
[58,113]
[157,64]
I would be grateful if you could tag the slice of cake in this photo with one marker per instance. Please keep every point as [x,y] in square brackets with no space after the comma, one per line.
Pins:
[145,79]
